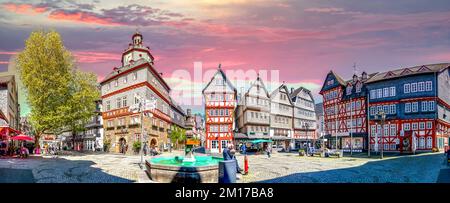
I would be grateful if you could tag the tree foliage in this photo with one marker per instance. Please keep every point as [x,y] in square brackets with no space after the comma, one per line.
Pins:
[60,96]
[177,135]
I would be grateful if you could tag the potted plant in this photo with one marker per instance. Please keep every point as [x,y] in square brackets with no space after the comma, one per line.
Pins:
[301,152]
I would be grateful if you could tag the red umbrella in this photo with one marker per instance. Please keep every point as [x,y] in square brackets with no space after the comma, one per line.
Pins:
[22,137]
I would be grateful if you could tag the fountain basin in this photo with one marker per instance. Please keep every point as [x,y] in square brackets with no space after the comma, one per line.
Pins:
[205,169]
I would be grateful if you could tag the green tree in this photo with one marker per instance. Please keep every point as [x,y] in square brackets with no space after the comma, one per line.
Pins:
[177,135]
[59,95]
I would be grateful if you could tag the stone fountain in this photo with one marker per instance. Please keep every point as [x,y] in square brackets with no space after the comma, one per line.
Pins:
[187,169]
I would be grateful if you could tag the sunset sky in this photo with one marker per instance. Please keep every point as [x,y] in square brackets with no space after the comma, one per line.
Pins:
[302,39]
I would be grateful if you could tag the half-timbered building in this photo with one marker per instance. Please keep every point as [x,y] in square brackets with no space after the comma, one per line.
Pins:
[253,111]
[416,102]
[304,118]
[345,111]
[220,102]
[281,114]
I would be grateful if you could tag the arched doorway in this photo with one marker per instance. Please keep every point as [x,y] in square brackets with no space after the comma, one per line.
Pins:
[122,145]
[153,143]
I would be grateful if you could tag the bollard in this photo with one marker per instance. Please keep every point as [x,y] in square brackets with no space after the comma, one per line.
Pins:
[245,165]
[227,171]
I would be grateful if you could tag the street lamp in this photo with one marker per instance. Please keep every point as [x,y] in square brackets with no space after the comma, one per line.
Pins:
[142,106]
[306,126]
[382,115]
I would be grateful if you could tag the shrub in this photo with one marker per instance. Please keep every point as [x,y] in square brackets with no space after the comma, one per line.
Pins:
[136,146]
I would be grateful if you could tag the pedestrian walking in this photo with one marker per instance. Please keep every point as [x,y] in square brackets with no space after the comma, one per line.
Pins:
[268,151]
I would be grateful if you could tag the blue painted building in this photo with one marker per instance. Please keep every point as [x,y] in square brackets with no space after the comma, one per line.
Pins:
[416,102]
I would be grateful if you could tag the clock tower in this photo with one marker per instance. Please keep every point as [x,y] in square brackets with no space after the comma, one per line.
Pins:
[136,51]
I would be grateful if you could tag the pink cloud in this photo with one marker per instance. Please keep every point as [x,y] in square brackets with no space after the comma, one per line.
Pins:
[24,8]
[82,17]
[95,57]
[8,53]
[324,10]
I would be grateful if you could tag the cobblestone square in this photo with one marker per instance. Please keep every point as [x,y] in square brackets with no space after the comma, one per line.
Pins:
[280,168]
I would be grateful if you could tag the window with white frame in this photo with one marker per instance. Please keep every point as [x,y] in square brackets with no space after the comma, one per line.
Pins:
[372,110]
[119,103]
[428,86]
[421,142]
[386,92]
[373,94]
[134,75]
[116,83]
[414,106]
[372,130]
[424,105]
[421,86]
[407,107]
[406,88]
[392,91]
[415,126]
[386,130]
[379,93]
[431,106]
[393,146]
[393,109]
[125,79]
[429,125]
[380,108]
[429,142]
[406,126]
[108,105]
[393,130]
[413,87]
[386,109]
[358,88]
[422,125]
[349,90]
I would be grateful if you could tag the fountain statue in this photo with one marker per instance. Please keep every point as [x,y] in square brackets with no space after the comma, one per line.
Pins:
[189,143]
[200,168]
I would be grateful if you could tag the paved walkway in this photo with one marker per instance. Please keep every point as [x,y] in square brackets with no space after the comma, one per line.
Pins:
[281,168]
[290,168]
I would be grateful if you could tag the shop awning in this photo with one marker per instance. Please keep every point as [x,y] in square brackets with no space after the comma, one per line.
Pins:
[22,137]
[260,141]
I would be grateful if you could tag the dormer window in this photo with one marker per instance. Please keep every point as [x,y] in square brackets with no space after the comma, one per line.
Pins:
[349,90]
[330,82]
[358,88]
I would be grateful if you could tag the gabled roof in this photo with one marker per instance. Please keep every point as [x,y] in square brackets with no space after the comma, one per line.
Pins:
[416,70]
[282,86]
[298,90]
[336,76]
[138,64]
[258,79]
[220,71]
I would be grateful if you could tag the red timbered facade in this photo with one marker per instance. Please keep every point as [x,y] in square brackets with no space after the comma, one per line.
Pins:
[345,112]
[220,102]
